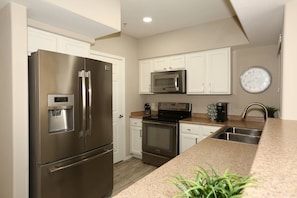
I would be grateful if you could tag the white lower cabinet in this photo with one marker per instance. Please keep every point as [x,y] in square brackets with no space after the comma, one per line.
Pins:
[136,137]
[191,134]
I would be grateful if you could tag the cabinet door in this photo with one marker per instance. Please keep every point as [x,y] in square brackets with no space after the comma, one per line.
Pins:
[196,70]
[187,141]
[38,39]
[207,131]
[73,47]
[145,69]
[136,138]
[177,62]
[219,71]
[169,63]
[161,64]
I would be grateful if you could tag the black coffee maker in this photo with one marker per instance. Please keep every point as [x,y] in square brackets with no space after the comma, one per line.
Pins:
[222,112]
[147,109]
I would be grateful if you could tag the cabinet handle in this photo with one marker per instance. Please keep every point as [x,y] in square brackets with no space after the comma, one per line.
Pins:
[189,129]
[140,132]
[196,140]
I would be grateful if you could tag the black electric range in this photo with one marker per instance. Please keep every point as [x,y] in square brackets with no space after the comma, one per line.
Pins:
[171,112]
[160,133]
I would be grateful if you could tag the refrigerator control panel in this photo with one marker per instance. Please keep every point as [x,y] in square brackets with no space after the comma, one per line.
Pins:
[60,100]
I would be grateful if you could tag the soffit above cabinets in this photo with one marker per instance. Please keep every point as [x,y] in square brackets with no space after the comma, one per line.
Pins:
[74,17]
[262,21]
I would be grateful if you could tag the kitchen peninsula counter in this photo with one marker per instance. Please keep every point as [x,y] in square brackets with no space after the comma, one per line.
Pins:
[272,162]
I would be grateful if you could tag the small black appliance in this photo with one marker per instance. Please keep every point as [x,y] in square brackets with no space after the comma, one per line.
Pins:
[147,109]
[222,112]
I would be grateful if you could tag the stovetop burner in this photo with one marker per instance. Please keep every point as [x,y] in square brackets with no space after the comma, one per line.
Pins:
[171,112]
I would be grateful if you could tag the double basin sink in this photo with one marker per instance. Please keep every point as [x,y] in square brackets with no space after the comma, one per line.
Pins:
[237,134]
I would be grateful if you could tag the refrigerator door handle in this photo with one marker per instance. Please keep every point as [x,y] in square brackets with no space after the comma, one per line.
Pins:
[89,130]
[60,168]
[82,75]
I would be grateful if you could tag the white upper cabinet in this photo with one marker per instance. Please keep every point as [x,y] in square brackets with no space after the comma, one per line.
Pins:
[196,70]
[145,69]
[209,72]
[169,63]
[73,47]
[38,39]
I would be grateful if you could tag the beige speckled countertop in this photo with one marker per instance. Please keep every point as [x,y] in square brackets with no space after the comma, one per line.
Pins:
[273,162]
[236,156]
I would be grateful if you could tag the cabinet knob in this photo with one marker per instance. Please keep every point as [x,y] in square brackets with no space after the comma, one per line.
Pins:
[120,116]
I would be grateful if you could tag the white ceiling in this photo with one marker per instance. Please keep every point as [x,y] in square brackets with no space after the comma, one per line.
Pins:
[170,15]
[260,19]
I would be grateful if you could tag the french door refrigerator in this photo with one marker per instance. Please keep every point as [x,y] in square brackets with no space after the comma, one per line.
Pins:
[71,151]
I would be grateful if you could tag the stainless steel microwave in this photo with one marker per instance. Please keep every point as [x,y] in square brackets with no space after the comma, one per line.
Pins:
[169,82]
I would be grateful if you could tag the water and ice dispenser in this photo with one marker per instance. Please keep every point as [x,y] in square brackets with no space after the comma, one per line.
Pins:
[60,113]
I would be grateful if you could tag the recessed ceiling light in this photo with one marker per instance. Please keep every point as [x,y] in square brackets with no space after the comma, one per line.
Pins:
[147,19]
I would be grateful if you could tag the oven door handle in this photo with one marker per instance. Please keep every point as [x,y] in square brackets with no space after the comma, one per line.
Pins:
[159,123]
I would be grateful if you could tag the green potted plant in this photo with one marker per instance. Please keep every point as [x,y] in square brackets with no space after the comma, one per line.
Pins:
[271,111]
[212,185]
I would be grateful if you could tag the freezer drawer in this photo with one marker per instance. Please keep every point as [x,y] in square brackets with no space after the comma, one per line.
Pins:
[87,177]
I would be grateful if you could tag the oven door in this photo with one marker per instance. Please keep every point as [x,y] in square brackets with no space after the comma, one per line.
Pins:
[160,138]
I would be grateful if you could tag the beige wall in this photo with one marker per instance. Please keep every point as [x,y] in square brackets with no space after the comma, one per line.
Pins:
[242,58]
[217,34]
[14,153]
[125,46]
[221,34]
[289,64]
[6,151]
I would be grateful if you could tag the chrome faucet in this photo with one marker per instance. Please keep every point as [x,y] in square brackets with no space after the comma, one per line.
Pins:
[252,104]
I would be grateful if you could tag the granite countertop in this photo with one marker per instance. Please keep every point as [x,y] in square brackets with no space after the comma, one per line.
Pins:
[202,119]
[238,123]
[272,162]
[238,157]
[275,162]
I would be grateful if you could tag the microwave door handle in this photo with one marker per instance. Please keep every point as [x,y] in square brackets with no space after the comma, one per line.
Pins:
[176,83]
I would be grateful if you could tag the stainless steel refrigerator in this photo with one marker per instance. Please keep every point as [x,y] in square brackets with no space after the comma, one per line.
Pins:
[71,151]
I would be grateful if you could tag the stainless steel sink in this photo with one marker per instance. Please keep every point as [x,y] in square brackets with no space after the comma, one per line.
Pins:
[237,134]
[245,131]
[238,138]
